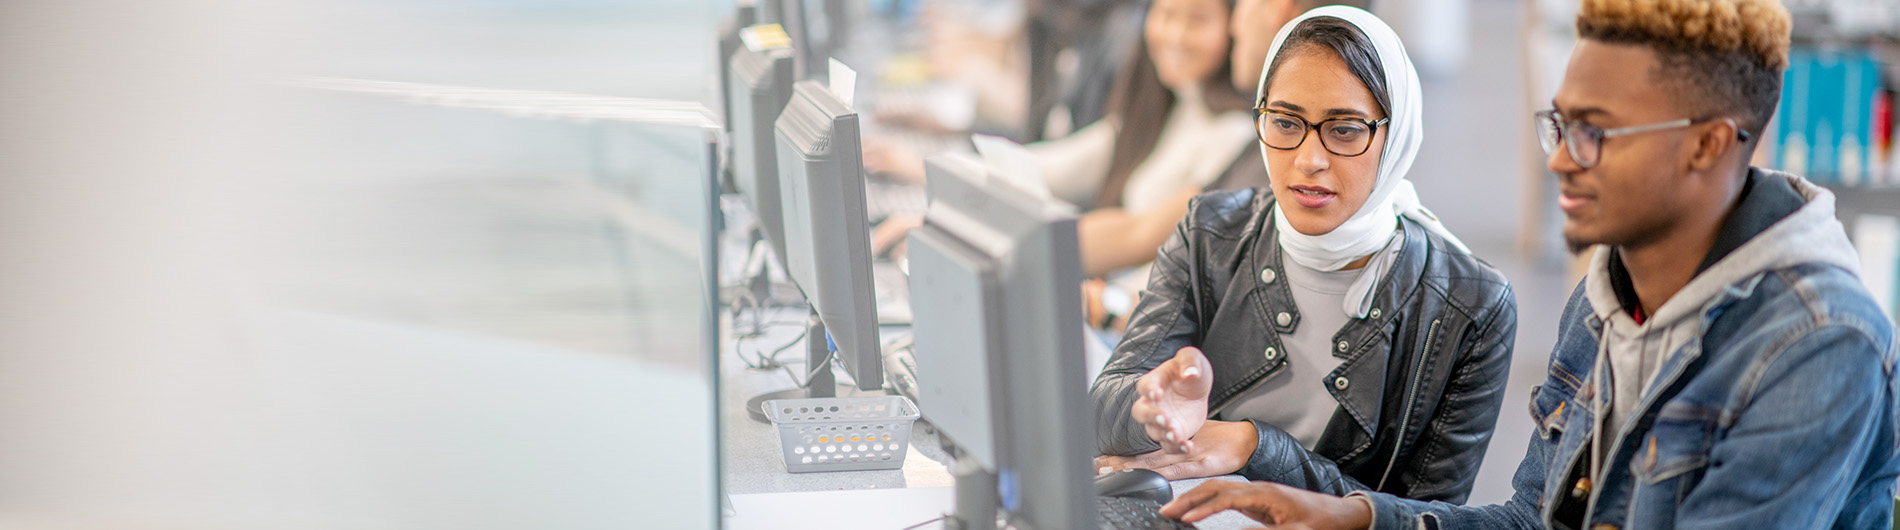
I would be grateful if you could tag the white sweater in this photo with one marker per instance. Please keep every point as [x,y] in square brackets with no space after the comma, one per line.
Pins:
[1196,146]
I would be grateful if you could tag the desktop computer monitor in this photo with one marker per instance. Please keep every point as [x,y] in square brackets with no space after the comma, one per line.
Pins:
[998,345]
[827,238]
[729,43]
[817,29]
[761,84]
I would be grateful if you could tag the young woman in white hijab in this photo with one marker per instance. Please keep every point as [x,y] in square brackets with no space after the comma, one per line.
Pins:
[1326,332]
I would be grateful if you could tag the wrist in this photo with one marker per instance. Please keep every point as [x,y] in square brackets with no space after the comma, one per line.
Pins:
[1357,512]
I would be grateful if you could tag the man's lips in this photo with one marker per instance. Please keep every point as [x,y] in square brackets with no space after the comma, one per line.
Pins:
[1570,201]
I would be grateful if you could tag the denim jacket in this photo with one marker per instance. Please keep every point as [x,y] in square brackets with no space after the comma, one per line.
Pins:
[1777,412]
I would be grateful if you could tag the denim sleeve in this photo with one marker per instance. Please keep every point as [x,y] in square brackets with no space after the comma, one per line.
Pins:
[1391,512]
[1797,446]
[1164,321]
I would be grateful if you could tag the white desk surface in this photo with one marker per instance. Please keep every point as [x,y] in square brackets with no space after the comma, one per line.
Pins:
[764,496]
[889,509]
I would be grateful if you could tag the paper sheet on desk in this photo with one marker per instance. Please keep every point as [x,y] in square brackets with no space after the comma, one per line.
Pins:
[922,472]
[1012,163]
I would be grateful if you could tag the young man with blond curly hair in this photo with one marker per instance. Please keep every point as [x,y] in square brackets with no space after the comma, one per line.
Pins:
[1721,365]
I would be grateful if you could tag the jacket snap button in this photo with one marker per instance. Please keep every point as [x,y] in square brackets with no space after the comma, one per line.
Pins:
[1272,354]
[1343,345]
[1340,383]
[1375,312]
[1267,275]
[1283,319]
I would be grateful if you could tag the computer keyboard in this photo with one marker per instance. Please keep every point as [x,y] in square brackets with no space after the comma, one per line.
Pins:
[884,199]
[1124,513]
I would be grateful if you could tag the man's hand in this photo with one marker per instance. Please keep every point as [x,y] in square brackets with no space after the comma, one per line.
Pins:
[1173,402]
[1272,504]
[1221,448]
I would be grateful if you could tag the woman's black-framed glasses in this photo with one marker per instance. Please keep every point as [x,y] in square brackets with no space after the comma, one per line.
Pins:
[1585,141]
[1340,136]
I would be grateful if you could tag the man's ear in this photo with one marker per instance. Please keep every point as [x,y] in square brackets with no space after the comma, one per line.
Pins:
[1712,142]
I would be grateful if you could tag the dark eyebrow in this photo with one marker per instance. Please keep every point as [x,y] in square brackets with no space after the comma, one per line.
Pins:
[1580,113]
[1329,112]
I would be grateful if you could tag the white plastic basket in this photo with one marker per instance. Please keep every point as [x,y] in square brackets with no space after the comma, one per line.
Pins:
[843,433]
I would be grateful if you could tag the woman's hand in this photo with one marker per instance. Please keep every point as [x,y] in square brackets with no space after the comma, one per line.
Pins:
[1220,448]
[1173,401]
[1273,504]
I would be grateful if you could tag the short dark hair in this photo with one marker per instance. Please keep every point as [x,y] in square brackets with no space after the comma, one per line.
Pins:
[1724,57]
[1343,39]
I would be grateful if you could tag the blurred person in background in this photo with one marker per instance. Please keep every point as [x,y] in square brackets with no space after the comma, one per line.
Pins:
[1720,365]
[1175,125]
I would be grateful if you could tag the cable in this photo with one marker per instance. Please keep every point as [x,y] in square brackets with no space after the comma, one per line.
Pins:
[768,362]
[825,365]
[943,517]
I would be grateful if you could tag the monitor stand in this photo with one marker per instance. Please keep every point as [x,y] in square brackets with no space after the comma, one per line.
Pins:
[820,383]
[976,501]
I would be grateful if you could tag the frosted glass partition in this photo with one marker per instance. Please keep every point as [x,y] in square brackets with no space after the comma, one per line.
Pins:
[489,309]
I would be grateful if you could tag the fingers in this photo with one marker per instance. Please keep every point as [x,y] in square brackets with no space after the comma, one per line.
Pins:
[1247,498]
[1106,464]
[1227,499]
[1187,363]
[1172,399]
[1196,498]
[1194,379]
[1154,425]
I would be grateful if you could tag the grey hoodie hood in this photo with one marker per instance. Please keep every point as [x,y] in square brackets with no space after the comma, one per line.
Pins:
[1634,353]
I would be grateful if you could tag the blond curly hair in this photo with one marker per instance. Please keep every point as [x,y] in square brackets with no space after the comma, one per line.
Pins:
[1725,56]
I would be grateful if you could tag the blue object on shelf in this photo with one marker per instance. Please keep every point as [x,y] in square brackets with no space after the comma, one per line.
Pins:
[1824,124]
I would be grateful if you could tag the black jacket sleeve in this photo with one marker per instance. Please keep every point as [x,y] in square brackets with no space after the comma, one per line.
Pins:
[1163,322]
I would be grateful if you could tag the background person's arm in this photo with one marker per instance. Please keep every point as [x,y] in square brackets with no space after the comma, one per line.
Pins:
[1113,239]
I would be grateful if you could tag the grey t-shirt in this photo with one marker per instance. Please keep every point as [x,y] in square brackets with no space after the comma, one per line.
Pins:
[1295,399]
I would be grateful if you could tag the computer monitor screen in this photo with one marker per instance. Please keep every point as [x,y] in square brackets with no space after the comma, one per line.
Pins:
[762,83]
[828,241]
[998,340]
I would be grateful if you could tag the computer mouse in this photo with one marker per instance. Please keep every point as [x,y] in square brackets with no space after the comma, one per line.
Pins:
[1134,483]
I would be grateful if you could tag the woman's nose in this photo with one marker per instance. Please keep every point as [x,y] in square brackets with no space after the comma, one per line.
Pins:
[1312,157]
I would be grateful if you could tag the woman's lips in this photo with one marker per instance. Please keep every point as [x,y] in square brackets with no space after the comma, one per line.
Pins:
[1314,197]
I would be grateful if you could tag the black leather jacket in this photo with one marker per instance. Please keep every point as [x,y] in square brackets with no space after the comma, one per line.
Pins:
[1420,381]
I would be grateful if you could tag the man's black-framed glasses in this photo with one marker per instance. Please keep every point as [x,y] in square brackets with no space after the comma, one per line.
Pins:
[1585,141]
[1340,136]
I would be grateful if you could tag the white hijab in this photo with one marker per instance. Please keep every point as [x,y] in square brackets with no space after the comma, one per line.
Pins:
[1370,230]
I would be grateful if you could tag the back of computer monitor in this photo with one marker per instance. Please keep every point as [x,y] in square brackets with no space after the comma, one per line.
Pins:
[729,43]
[1025,249]
[761,84]
[956,327]
[827,237]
